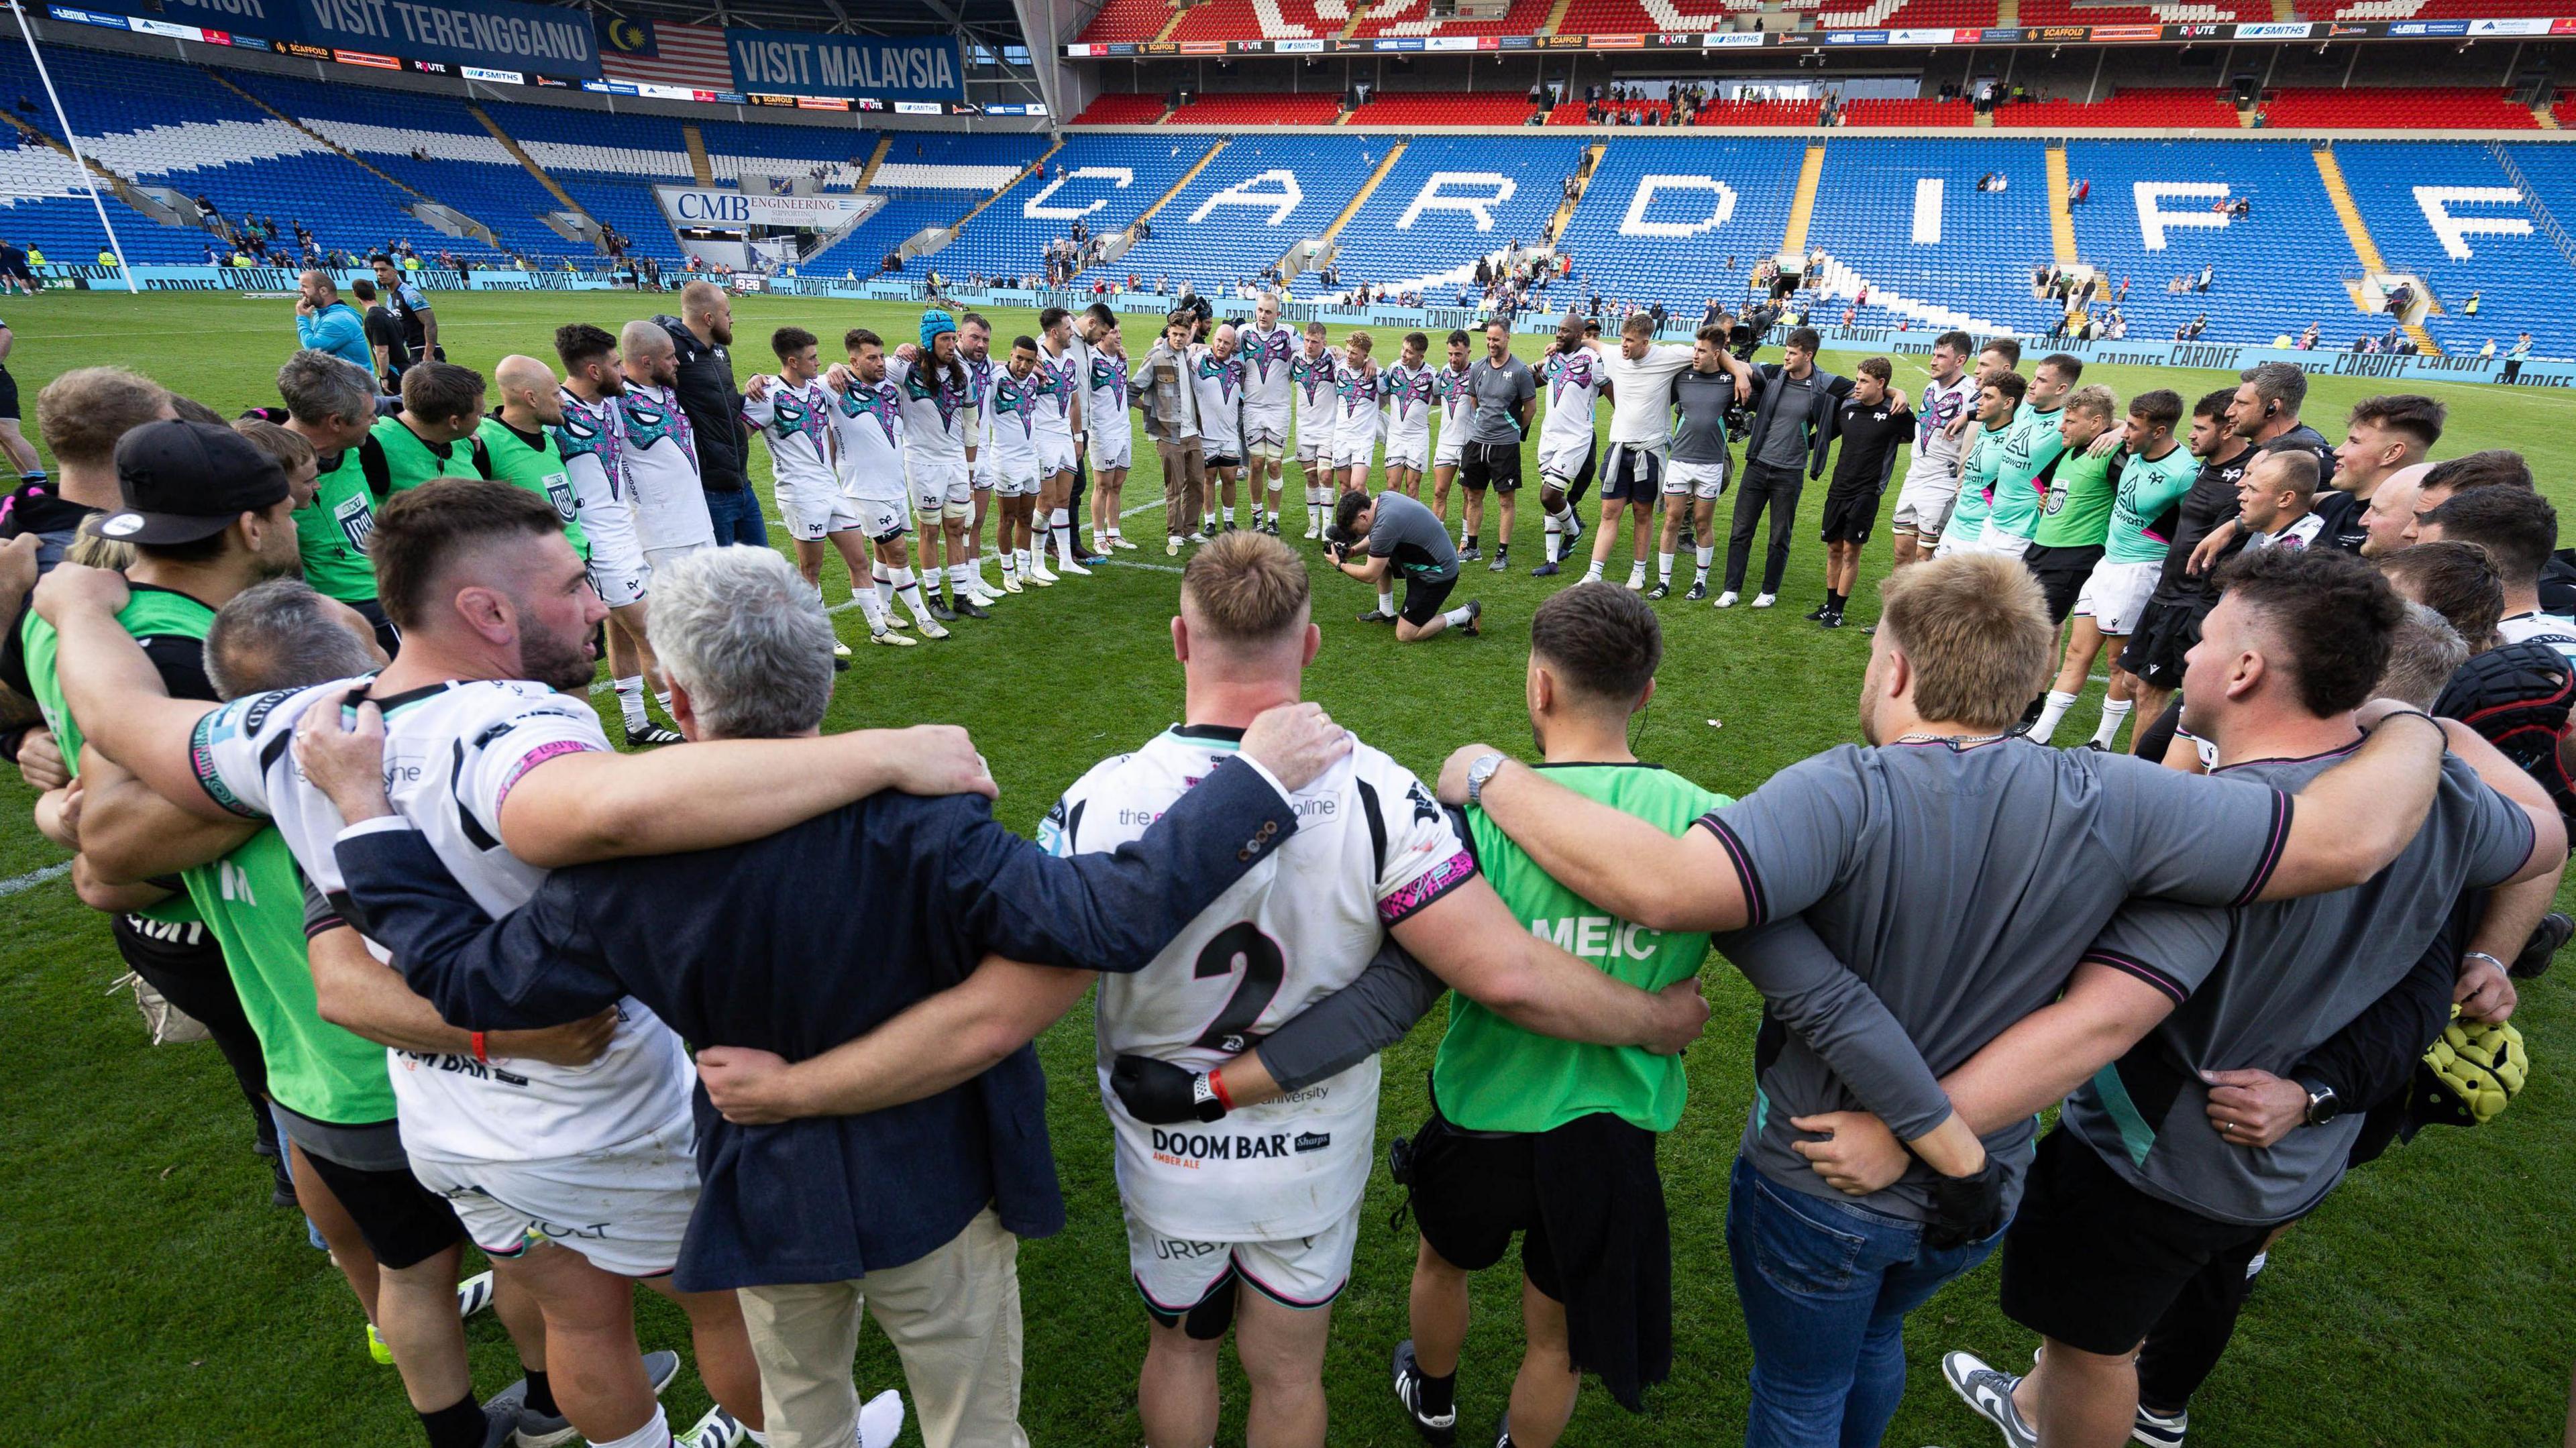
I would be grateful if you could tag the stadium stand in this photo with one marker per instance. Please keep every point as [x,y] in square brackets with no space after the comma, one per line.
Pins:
[1260,196]
[2073,12]
[1912,14]
[591,143]
[1908,113]
[2398,108]
[1626,17]
[1125,21]
[1415,109]
[2446,9]
[1941,255]
[1579,113]
[1659,214]
[1121,108]
[2499,251]
[1414,17]
[1262,19]
[1106,181]
[2273,272]
[1758,113]
[955,162]
[1261,108]
[1448,201]
[904,214]
[2143,109]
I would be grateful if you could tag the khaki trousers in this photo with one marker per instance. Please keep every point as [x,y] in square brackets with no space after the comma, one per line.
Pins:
[1184,486]
[953,1316]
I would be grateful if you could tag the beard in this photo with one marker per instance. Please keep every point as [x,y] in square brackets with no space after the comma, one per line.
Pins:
[560,663]
[720,333]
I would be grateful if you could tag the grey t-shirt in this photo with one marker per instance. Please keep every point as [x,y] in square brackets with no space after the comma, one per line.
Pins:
[1499,393]
[1414,537]
[2272,986]
[1785,445]
[1962,886]
[1700,401]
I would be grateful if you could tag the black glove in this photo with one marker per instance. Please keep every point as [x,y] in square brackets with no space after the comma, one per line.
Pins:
[1966,1209]
[1159,1093]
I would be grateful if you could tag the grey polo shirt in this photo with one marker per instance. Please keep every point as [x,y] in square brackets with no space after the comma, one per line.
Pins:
[1785,445]
[1414,537]
[1700,401]
[2261,987]
[1499,393]
[1962,886]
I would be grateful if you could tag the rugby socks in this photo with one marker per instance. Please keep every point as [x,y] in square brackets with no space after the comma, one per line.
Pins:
[654,1434]
[885,587]
[1707,556]
[1555,537]
[1207,523]
[541,1392]
[458,1425]
[1060,522]
[1460,616]
[873,609]
[1593,573]
[630,702]
[663,697]
[1663,568]
[1014,561]
[2114,713]
[961,576]
[910,592]
[2049,715]
[1434,1397]
[1276,495]
[1386,602]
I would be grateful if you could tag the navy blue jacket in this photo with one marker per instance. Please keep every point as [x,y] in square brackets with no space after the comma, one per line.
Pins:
[804,940]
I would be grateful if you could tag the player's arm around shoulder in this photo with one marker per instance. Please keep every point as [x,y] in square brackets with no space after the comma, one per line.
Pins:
[1617,861]
[1468,938]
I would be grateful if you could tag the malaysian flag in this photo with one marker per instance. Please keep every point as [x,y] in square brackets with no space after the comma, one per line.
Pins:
[652,53]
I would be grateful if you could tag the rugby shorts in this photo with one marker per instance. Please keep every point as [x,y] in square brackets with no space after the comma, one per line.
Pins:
[1850,514]
[883,520]
[1265,435]
[2165,633]
[403,1222]
[1996,540]
[1015,479]
[1495,465]
[625,1208]
[618,587]
[2062,573]
[1924,500]
[1409,452]
[1452,449]
[1558,462]
[2115,597]
[810,513]
[1632,473]
[1699,480]
[1176,1274]
[936,483]
[1112,447]
[1055,453]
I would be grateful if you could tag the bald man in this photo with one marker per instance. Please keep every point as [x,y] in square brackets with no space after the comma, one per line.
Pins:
[2391,511]
[701,337]
[518,435]
[659,454]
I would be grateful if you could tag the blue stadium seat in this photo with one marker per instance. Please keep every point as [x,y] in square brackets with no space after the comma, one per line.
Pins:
[1660,217]
[1934,256]
[1106,181]
[2404,187]
[1261,195]
[1450,200]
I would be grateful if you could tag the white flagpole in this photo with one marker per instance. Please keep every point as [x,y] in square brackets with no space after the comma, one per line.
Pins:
[72,140]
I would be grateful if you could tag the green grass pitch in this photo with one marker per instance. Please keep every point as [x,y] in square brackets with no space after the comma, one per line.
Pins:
[154,1298]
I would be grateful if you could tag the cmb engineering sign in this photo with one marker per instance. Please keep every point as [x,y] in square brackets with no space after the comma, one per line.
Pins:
[733,210]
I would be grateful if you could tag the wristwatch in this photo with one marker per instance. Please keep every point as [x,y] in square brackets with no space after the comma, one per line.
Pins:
[2323,1105]
[1477,773]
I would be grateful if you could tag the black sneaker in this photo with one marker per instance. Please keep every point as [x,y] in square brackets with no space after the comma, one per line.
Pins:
[1470,555]
[939,608]
[1475,611]
[1819,615]
[2546,939]
[281,1188]
[1544,570]
[1502,561]
[653,736]
[969,608]
[1373,616]
[1442,1430]
[1698,592]
[1831,620]
[1658,592]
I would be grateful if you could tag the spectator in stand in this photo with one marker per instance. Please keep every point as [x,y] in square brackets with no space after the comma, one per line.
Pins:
[2514,359]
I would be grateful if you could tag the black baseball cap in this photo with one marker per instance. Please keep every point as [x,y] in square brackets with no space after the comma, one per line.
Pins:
[182,481]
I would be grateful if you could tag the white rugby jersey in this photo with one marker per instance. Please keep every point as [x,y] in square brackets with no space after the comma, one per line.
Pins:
[1408,395]
[1940,405]
[1457,404]
[1060,382]
[1012,408]
[1314,387]
[1218,386]
[797,424]
[1358,421]
[1371,847]
[453,752]
[1104,391]
[1268,358]
[936,415]
[868,424]
[979,373]
[661,458]
[592,439]
[1571,382]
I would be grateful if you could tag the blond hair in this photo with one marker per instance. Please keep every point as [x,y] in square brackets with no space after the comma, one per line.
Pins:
[2094,400]
[289,448]
[1246,588]
[82,413]
[1976,630]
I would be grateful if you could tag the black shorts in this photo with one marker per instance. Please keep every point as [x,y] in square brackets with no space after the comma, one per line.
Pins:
[1851,514]
[2093,1262]
[8,396]
[1634,475]
[2165,632]
[1423,597]
[2061,573]
[1495,465]
[1472,1190]
[405,1223]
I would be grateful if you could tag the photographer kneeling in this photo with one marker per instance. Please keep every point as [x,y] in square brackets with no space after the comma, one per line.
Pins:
[1374,538]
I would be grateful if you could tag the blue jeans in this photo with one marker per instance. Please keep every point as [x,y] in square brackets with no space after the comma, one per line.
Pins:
[1826,1286]
[738,519]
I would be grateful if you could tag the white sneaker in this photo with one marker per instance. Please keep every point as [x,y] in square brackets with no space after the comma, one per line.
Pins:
[931,629]
[880,1420]
[1011,583]
[891,639]
[840,649]
[1636,583]
[897,620]
[1312,532]
[1119,540]
[1725,600]
[1067,565]
[1039,575]
[718,1429]
[1765,600]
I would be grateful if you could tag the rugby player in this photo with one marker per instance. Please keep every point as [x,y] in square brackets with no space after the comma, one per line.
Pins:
[1012,463]
[333,411]
[1573,378]
[1998,402]
[1696,475]
[1501,401]
[442,406]
[2273,502]
[1641,376]
[592,438]
[975,353]
[1059,432]
[1449,392]
[2169,624]
[792,412]
[1314,378]
[867,426]
[2155,471]
[1932,472]
[657,449]
[939,414]
[2015,498]
[1268,350]
[1216,379]
[1870,423]
[2075,515]
[1359,417]
[1408,391]
[1111,436]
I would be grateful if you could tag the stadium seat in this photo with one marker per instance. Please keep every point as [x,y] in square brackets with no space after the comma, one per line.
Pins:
[1414,109]
[1908,113]
[1120,108]
[1106,181]
[1758,113]
[1911,14]
[2446,9]
[1641,17]
[2398,108]
[1658,216]
[1260,196]
[2142,109]
[1261,108]
[1934,255]
[1449,201]
[1414,17]
[2501,251]
[1263,19]
[1127,21]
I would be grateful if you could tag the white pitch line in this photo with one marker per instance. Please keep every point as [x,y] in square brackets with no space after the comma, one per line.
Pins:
[33,878]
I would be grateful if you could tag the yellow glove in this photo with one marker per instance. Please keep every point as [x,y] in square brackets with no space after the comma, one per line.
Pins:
[2484,1066]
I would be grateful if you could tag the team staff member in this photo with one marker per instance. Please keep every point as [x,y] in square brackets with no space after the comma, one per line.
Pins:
[1167,395]
[324,321]
[332,406]
[1504,395]
[1396,534]
[1793,427]
[384,337]
[2272,501]
[700,337]
[411,308]
[2382,436]
[1871,422]
[518,441]
[1696,473]
[1827,1277]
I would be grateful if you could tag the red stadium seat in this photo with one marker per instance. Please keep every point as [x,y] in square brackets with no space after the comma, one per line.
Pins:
[1908,113]
[2144,109]
[2395,108]
[1261,108]
[1443,108]
[1413,17]
[1129,20]
[1244,20]
[1121,109]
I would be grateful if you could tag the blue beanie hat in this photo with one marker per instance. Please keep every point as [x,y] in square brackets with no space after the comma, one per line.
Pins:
[934,322]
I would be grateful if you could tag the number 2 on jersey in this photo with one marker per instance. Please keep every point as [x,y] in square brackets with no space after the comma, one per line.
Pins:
[1240,946]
